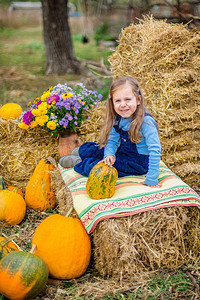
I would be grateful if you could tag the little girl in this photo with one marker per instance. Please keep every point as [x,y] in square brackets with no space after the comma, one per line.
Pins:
[129,138]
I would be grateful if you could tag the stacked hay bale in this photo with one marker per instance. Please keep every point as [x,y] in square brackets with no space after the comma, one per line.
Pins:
[165,58]
[21,150]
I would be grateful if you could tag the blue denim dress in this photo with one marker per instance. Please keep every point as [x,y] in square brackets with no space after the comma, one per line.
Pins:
[128,160]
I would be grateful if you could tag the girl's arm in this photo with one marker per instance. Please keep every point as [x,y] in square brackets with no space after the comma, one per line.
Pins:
[150,133]
[113,143]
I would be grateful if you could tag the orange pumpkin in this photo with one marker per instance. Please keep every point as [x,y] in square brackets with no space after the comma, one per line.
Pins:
[12,207]
[7,245]
[39,193]
[10,188]
[101,181]
[63,243]
[16,190]
[23,275]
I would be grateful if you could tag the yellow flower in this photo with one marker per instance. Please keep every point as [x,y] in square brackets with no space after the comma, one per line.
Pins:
[45,95]
[42,108]
[67,95]
[22,125]
[41,120]
[33,124]
[51,125]
[36,100]
[36,112]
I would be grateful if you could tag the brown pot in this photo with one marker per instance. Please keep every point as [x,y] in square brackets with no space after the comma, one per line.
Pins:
[68,141]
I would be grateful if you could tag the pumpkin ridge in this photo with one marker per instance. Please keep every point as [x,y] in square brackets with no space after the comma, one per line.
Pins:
[20,274]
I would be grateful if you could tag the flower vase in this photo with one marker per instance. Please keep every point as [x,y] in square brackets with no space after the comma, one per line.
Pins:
[68,141]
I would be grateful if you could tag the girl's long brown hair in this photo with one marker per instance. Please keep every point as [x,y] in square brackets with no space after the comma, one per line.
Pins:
[110,114]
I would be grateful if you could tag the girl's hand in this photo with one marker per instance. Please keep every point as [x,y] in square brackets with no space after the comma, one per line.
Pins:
[109,160]
[153,186]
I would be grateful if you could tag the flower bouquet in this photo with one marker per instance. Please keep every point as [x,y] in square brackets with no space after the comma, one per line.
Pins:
[59,108]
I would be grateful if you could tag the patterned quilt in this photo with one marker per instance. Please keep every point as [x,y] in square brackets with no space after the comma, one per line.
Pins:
[130,197]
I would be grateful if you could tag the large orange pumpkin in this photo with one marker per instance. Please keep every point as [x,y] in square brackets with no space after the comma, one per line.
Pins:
[39,193]
[101,181]
[7,246]
[23,275]
[63,243]
[12,207]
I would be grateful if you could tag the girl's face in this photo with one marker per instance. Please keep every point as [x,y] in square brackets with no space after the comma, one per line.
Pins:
[124,101]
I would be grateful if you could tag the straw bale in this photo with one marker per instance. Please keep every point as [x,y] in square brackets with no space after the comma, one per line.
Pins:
[132,246]
[90,128]
[136,245]
[165,58]
[63,194]
[21,150]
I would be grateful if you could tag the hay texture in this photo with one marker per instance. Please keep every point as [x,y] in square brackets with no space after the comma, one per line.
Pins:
[165,58]
[132,246]
[21,150]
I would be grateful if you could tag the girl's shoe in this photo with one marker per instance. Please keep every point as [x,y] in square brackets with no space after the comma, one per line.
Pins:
[69,161]
[75,151]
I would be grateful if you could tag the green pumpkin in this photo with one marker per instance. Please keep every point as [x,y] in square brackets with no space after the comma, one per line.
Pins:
[101,181]
[23,275]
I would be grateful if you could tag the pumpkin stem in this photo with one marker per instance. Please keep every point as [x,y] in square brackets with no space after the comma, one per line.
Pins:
[69,211]
[33,249]
[8,239]
[51,160]
[2,184]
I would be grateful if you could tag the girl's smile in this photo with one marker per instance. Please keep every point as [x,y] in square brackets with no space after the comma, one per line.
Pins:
[124,101]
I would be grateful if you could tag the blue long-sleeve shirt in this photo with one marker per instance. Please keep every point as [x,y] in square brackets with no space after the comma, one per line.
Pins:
[149,145]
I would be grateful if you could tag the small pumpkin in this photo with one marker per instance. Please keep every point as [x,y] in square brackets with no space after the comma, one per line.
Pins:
[7,245]
[10,188]
[10,111]
[15,189]
[12,207]
[63,243]
[23,275]
[101,181]
[39,193]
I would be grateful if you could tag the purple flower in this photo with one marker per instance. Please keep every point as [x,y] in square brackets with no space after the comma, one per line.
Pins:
[39,102]
[77,105]
[67,106]
[27,117]
[100,97]
[75,123]
[52,99]
[65,123]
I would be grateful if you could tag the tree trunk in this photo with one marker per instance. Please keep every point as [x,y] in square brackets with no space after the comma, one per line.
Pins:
[57,38]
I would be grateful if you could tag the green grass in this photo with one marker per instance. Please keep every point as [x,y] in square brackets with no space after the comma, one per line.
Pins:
[22,64]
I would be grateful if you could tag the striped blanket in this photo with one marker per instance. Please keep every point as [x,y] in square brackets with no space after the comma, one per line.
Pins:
[131,197]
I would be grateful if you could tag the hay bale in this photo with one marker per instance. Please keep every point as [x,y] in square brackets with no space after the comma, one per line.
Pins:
[165,58]
[21,150]
[132,246]
[63,194]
